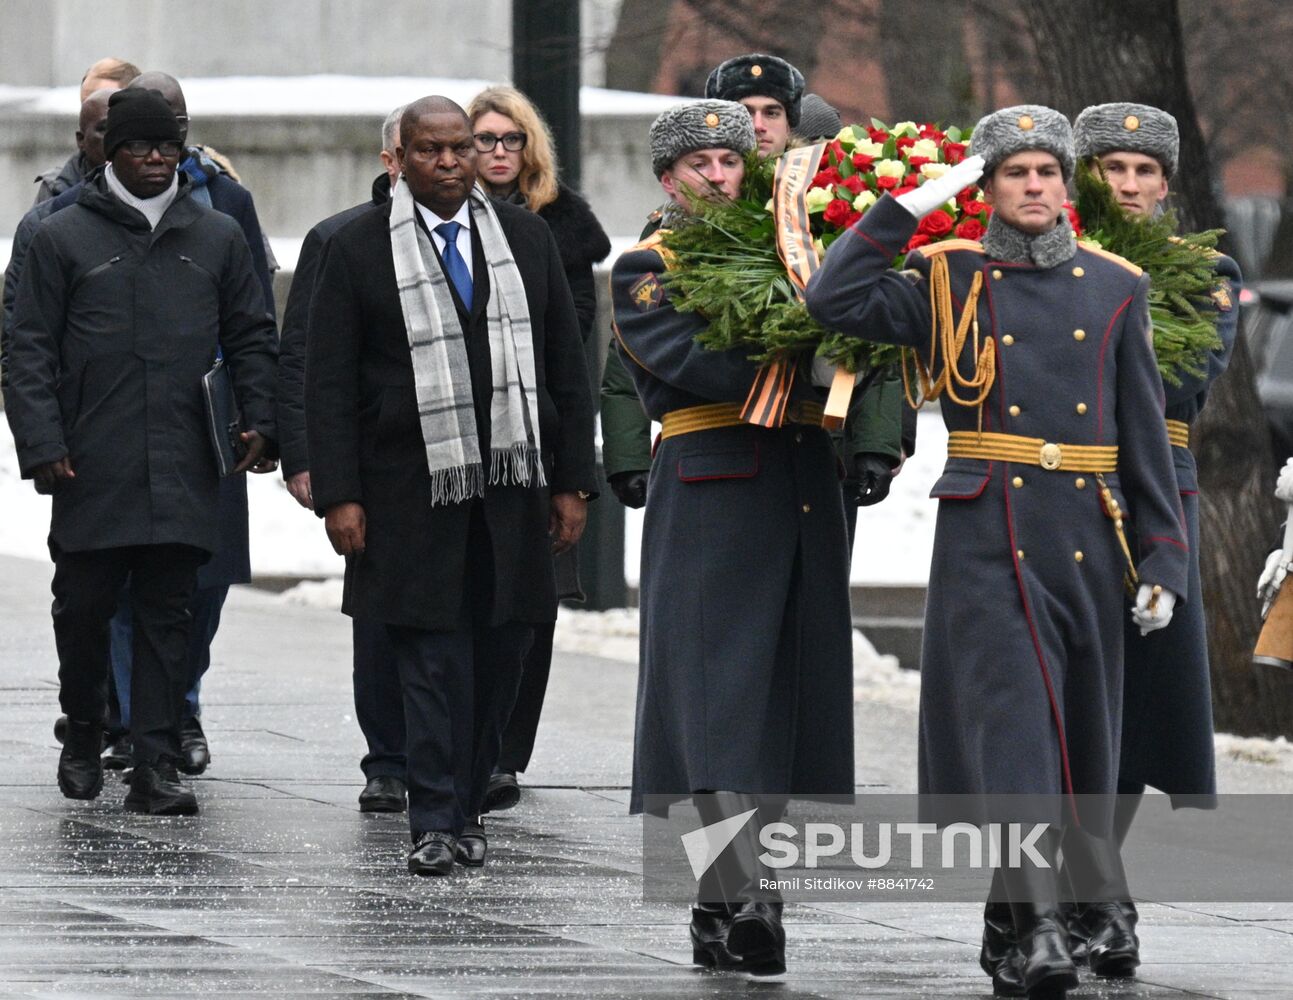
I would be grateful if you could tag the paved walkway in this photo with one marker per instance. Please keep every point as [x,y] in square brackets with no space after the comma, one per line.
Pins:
[281,887]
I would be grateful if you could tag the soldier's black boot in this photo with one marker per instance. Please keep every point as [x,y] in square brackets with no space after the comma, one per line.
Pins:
[1094,868]
[710,923]
[999,954]
[1047,965]
[80,772]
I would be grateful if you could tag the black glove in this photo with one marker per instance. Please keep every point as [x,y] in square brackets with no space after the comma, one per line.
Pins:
[873,474]
[629,488]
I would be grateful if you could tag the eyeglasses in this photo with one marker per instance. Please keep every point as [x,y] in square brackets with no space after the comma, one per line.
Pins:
[513,142]
[139,148]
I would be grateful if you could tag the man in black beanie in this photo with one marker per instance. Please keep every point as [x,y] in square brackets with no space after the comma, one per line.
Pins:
[126,299]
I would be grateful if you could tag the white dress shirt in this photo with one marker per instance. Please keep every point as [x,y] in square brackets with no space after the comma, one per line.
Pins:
[463,218]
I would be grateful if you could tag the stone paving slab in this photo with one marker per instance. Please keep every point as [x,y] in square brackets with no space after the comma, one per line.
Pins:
[282,888]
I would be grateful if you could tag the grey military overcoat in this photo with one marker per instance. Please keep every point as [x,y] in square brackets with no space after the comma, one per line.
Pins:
[1022,666]
[745,681]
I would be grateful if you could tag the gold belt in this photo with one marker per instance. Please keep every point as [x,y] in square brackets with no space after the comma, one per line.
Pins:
[1033,451]
[1178,432]
[704,418]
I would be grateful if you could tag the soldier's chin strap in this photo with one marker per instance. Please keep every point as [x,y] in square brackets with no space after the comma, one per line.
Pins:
[947,340]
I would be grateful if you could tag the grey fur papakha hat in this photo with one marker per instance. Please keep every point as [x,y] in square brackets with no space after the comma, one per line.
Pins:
[1025,126]
[1132,128]
[758,74]
[699,125]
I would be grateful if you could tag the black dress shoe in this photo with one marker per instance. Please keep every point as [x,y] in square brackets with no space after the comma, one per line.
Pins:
[193,747]
[502,792]
[1048,968]
[710,923]
[119,754]
[156,789]
[60,729]
[471,845]
[1113,950]
[432,853]
[80,772]
[999,955]
[757,938]
[384,794]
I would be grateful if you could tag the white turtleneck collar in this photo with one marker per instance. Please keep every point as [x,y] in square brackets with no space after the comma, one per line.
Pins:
[152,208]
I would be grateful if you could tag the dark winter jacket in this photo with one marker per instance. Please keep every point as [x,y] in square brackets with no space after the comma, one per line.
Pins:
[114,326]
[582,243]
[291,344]
[56,180]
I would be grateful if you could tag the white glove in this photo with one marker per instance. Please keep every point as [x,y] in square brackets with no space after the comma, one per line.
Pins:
[1284,484]
[1273,575]
[824,373]
[1152,621]
[936,193]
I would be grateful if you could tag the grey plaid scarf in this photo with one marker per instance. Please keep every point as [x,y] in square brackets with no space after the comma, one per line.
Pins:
[441,376]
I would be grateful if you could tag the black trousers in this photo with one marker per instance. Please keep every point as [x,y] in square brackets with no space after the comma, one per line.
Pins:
[458,689]
[86,586]
[523,724]
[379,704]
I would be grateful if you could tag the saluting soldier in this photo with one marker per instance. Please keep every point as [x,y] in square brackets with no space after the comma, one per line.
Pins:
[745,686]
[1055,411]
[1167,738]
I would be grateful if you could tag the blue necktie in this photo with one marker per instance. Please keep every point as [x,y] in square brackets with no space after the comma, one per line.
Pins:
[453,262]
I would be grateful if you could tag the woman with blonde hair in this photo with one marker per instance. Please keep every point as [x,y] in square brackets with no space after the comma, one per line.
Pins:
[517,163]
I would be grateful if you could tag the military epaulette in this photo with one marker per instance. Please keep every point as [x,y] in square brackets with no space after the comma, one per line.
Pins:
[1100,251]
[947,246]
[654,242]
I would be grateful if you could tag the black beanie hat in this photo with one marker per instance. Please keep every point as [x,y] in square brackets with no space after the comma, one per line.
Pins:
[758,74]
[137,113]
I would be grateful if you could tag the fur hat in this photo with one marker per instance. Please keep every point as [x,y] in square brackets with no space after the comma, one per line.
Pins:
[1026,126]
[1133,128]
[758,74]
[817,120]
[699,125]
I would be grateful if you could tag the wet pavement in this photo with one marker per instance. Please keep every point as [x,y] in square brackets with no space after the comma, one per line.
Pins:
[281,887]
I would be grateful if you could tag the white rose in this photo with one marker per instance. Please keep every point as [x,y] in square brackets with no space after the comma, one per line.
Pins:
[933,171]
[768,207]
[818,198]
[927,148]
[820,247]
[864,201]
[868,148]
[890,168]
[846,134]
[904,127]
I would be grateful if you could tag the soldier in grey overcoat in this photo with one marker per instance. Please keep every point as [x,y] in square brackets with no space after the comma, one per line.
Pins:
[1167,736]
[1060,435]
[745,683]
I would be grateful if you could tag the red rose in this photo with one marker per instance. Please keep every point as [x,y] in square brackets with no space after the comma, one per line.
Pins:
[936,224]
[837,212]
[899,192]
[836,151]
[953,152]
[1074,219]
[919,240]
[853,217]
[930,132]
[916,162]
[827,178]
[862,162]
[970,229]
[877,134]
[886,183]
[854,184]
[905,142]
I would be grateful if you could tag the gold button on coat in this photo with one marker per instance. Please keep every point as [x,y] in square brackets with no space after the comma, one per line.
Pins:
[1014,411]
[1007,340]
[1077,556]
[1078,272]
[1018,481]
[1019,553]
[807,507]
[1079,335]
[997,274]
[1081,408]
[1080,483]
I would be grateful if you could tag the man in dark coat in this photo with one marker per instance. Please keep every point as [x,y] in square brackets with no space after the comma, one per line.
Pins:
[126,298]
[745,685]
[379,706]
[1056,433]
[449,427]
[1167,736]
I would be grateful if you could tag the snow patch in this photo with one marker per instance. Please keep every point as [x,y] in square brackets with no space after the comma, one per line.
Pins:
[1277,752]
